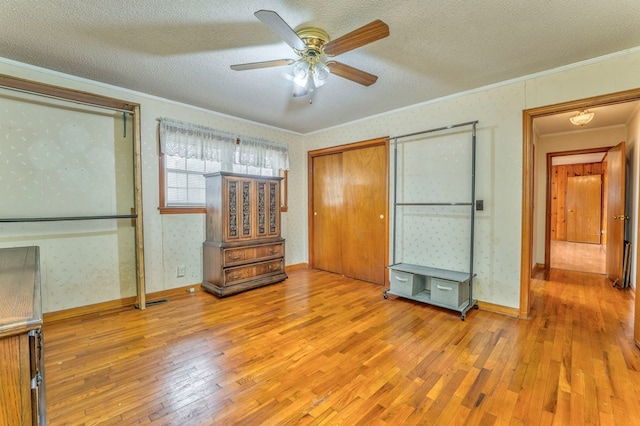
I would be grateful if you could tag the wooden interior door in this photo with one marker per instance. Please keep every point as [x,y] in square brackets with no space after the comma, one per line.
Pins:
[365,223]
[615,214]
[584,205]
[327,212]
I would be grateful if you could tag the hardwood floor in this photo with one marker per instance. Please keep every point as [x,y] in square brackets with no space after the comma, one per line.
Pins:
[580,257]
[323,349]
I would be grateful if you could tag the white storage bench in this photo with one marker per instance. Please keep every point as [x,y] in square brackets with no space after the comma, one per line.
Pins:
[439,287]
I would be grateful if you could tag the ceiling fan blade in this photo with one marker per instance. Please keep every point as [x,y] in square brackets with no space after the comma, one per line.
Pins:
[351,73]
[369,33]
[281,28]
[263,64]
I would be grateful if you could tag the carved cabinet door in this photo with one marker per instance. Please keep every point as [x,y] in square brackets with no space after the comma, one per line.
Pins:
[267,208]
[239,204]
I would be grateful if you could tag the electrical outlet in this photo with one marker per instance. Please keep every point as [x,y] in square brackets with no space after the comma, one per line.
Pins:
[182,270]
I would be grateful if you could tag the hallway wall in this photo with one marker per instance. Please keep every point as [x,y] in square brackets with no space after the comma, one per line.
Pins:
[633,191]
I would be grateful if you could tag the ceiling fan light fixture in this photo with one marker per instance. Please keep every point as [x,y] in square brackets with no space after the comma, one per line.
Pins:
[301,82]
[320,73]
[301,73]
[582,117]
[312,45]
[299,91]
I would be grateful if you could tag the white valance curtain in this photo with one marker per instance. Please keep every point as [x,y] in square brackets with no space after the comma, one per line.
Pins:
[188,140]
[261,153]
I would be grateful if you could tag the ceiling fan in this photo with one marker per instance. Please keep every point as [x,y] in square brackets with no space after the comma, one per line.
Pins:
[312,69]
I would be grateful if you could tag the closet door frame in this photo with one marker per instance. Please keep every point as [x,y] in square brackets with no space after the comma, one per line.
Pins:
[94,100]
[384,141]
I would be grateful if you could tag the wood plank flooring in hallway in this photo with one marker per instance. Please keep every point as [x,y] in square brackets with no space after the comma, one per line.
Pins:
[321,349]
[579,257]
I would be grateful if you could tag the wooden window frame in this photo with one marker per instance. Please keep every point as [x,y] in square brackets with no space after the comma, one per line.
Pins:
[164,209]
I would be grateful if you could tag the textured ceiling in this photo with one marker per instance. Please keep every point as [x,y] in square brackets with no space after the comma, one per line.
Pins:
[182,50]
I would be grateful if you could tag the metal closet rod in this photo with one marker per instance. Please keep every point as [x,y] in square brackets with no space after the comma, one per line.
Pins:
[60,98]
[435,204]
[63,218]
[435,130]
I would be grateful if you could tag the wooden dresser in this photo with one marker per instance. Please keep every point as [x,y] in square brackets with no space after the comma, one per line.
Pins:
[21,357]
[243,249]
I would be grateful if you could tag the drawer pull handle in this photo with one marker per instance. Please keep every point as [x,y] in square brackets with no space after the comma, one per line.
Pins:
[274,268]
[404,280]
[234,257]
[274,250]
[445,288]
[236,276]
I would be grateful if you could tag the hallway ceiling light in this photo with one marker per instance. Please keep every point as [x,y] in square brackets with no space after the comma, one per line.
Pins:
[582,118]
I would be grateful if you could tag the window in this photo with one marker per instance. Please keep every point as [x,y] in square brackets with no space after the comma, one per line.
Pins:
[188,151]
[185,180]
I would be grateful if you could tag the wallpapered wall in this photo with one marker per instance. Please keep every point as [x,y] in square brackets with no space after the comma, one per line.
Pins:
[435,168]
[498,181]
[633,188]
[80,271]
[61,161]
[499,157]
[176,239]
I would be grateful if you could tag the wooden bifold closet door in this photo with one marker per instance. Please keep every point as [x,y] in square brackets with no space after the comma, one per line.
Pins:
[349,204]
[327,213]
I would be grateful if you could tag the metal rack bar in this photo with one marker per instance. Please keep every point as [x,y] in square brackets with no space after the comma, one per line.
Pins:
[471,204]
[60,219]
[434,204]
[438,129]
[395,193]
[473,214]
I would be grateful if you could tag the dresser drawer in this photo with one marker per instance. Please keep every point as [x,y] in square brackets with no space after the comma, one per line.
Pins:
[234,256]
[406,284]
[242,273]
[453,294]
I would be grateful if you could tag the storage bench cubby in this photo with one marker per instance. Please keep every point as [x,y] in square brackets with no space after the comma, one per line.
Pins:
[440,287]
[406,283]
[453,294]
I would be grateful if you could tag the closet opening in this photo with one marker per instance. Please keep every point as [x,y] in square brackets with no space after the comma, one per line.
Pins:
[74,190]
